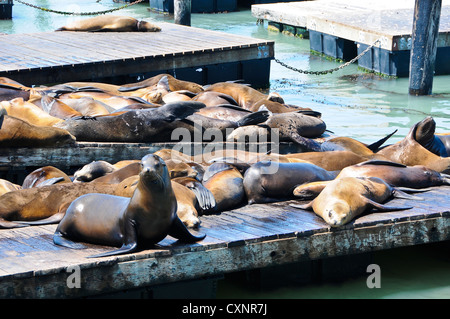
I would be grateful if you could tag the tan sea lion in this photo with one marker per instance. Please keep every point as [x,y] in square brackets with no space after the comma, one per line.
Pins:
[105,23]
[58,109]
[249,98]
[6,186]
[118,175]
[44,204]
[267,181]
[174,84]
[345,198]
[29,112]
[15,132]
[46,173]
[212,98]
[409,152]
[129,223]
[225,182]
[329,160]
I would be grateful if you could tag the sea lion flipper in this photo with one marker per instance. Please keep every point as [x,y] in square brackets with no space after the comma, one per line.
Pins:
[204,196]
[397,193]
[5,224]
[385,208]
[59,239]
[125,249]
[253,118]
[54,219]
[305,207]
[309,144]
[376,145]
[179,231]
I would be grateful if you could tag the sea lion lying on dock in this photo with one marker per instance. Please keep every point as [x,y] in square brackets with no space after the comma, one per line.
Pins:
[345,198]
[111,23]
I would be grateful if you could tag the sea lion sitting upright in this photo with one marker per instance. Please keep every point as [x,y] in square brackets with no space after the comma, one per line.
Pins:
[104,23]
[410,152]
[142,220]
[425,136]
[345,198]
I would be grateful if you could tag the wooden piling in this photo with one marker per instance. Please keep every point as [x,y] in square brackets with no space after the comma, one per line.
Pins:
[424,45]
[182,12]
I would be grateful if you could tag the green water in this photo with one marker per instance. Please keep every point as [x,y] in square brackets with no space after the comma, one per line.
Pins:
[353,103]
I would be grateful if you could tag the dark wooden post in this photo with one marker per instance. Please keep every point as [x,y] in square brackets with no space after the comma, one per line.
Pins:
[424,45]
[182,12]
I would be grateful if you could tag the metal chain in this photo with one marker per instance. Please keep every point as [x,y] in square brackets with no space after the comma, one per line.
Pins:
[79,13]
[331,70]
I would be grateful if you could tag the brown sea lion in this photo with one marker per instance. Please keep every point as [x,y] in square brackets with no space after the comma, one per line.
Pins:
[329,160]
[345,198]
[129,223]
[409,152]
[267,181]
[87,106]
[45,204]
[40,175]
[187,204]
[105,23]
[15,132]
[225,182]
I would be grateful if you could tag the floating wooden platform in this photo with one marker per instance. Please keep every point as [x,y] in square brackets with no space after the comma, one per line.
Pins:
[188,53]
[255,236]
[343,29]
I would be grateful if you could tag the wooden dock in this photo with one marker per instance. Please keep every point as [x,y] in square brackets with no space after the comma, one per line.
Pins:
[343,29]
[193,54]
[251,237]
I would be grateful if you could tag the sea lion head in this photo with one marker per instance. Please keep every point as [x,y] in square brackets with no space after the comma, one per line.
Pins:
[145,26]
[424,130]
[154,171]
[337,213]
[92,170]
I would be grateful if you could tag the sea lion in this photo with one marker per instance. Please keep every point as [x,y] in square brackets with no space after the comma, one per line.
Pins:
[6,186]
[345,198]
[93,170]
[268,181]
[187,203]
[224,112]
[105,23]
[250,98]
[87,105]
[144,219]
[225,182]
[132,126]
[15,132]
[445,139]
[397,175]
[45,204]
[29,112]
[118,175]
[425,136]
[174,84]
[38,176]
[409,152]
